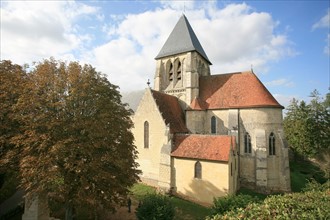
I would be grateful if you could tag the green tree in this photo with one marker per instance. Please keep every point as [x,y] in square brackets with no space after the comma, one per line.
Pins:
[307,126]
[76,146]
[320,121]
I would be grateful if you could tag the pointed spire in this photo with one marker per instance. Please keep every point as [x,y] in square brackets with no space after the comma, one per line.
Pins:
[182,39]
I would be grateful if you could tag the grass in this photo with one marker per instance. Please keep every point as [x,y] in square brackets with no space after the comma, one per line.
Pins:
[184,209]
[139,190]
[189,210]
[302,172]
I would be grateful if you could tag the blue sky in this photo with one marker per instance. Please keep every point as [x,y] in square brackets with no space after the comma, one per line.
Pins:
[286,42]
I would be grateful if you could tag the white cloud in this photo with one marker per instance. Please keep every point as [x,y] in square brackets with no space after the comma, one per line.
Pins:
[280,82]
[178,5]
[236,37]
[128,58]
[33,30]
[324,22]
[233,37]
[285,100]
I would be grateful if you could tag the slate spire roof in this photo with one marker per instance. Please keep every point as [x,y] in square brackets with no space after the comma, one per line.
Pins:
[181,40]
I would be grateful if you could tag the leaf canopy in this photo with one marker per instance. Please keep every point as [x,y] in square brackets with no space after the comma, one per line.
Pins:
[75,144]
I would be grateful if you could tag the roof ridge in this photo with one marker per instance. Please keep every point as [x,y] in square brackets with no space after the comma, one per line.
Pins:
[232,73]
[205,135]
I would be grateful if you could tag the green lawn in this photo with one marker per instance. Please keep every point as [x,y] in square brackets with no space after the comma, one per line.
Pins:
[139,190]
[184,209]
[302,172]
[189,210]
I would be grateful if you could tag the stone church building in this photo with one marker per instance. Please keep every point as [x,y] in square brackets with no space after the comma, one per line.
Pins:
[202,136]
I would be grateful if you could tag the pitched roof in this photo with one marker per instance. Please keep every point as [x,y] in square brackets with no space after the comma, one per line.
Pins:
[233,90]
[171,111]
[198,104]
[182,39]
[207,147]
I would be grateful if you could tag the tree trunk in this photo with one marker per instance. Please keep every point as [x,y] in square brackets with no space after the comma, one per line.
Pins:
[68,212]
[95,215]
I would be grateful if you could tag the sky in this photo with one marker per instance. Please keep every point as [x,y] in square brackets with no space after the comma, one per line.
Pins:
[286,43]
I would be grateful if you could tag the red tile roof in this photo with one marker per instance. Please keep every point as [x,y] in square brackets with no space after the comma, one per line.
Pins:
[198,104]
[171,111]
[233,90]
[207,147]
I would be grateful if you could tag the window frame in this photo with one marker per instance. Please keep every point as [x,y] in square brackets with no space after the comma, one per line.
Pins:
[178,71]
[213,125]
[271,144]
[198,170]
[247,143]
[146,135]
[171,72]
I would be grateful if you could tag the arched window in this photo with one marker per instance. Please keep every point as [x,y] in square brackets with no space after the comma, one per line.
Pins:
[213,125]
[198,170]
[271,142]
[146,134]
[247,143]
[170,72]
[178,71]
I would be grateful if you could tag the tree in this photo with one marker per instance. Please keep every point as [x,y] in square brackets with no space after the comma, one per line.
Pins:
[76,146]
[307,126]
[11,83]
[320,120]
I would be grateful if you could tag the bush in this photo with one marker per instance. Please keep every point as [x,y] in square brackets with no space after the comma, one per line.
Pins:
[313,185]
[224,204]
[155,207]
[307,205]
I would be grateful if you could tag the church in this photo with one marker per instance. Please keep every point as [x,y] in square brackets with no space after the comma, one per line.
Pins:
[202,136]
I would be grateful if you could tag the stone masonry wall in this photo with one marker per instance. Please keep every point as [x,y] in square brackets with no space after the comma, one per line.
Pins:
[214,181]
[149,158]
[258,169]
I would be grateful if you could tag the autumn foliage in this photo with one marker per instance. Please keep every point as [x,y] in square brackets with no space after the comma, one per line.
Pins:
[68,133]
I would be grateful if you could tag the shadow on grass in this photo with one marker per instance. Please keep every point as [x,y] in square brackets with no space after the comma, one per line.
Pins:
[302,171]
[185,210]
[189,210]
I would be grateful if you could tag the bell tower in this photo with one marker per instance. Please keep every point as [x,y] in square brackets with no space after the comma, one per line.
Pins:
[180,62]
